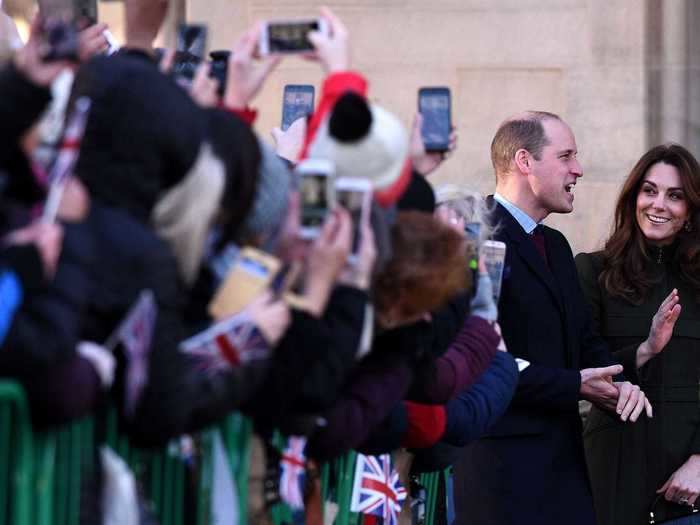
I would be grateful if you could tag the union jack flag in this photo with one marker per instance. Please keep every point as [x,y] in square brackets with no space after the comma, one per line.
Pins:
[135,333]
[376,489]
[293,470]
[67,156]
[229,343]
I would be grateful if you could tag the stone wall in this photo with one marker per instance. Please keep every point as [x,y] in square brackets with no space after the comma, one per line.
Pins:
[623,73]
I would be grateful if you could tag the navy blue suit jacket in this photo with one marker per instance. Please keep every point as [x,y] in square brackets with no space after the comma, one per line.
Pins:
[530,467]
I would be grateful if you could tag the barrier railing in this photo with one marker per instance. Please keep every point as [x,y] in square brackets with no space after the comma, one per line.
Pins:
[41,473]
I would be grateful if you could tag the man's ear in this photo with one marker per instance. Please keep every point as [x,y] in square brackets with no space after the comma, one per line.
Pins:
[523,161]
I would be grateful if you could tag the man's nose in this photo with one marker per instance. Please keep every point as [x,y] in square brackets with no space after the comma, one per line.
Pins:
[576,168]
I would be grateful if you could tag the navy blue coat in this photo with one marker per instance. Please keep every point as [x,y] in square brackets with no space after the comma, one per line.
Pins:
[530,467]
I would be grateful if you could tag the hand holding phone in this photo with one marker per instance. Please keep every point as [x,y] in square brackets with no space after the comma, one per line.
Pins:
[297,102]
[434,105]
[317,195]
[245,77]
[494,256]
[289,36]
[332,48]
[355,196]
[250,275]
[59,30]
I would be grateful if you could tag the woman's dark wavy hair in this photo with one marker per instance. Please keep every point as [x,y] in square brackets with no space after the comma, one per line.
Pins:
[626,254]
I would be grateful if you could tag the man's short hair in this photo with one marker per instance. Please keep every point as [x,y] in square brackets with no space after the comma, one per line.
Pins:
[524,131]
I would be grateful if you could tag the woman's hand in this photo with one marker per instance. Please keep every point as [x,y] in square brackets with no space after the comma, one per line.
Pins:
[332,49]
[683,486]
[288,143]
[271,316]
[661,329]
[425,162]
[359,275]
[48,239]
[204,87]
[244,77]
[326,259]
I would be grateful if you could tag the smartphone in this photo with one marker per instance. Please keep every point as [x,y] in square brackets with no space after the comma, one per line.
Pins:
[297,102]
[251,273]
[86,9]
[494,253]
[289,36]
[317,194]
[434,104]
[59,30]
[355,195]
[219,68]
[192,39]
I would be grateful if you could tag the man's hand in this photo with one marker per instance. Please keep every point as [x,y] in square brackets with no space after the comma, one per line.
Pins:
[683,486]
[597,386]
[332,49]
[623,398]
[661,329]
[244,77]
[426,162]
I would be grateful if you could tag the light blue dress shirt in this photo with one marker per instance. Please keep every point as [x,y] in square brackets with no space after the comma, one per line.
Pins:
[526,222]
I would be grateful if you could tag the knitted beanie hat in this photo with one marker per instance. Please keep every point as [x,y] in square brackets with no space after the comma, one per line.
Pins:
[271,197]
[367,141]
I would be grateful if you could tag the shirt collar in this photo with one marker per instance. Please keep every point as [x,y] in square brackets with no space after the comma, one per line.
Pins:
[526,222]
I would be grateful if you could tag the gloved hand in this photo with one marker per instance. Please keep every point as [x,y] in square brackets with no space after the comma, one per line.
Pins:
[482,304]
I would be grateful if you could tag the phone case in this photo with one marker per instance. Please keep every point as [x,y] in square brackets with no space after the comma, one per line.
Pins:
[244,282]
[494,253]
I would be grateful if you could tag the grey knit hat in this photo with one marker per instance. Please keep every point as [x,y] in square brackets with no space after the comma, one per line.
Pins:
[269,208]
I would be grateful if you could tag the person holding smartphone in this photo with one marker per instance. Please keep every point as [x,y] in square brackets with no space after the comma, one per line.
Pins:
[530,467]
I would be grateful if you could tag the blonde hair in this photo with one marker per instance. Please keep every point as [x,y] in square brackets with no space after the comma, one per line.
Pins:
[470,205]
[10,40]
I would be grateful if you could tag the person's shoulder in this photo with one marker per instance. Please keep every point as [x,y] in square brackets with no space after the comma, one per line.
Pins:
[589,262]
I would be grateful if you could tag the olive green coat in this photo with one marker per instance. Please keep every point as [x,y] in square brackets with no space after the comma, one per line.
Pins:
[628,462]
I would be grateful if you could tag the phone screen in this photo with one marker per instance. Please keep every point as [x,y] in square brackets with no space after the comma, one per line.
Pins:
[290,37]
[494,253]
[60,39]
[353,201]
[298,103]
[192,39]
[434,106]
[314,200]
[86,9]
[219,68]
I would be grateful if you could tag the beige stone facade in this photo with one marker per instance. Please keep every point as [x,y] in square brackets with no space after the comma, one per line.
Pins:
[624,73]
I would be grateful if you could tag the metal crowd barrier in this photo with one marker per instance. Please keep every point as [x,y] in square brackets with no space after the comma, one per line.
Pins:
[41,472]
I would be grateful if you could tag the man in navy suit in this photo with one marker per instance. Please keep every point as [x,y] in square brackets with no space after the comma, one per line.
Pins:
[530,468]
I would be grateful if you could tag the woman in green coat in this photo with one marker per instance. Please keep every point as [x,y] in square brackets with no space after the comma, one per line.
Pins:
[652,258]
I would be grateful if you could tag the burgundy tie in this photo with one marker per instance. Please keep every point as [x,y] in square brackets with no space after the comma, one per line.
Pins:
[538,240]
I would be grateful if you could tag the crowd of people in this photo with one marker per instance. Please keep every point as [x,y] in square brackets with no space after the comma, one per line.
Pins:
[402,347]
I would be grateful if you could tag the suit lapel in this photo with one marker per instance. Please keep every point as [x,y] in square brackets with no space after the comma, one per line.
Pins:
[524,248]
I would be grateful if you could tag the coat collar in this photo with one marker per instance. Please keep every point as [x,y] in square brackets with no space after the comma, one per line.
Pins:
[525,248]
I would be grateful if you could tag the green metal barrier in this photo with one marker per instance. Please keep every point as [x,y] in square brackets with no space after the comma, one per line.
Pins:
[16,456]
[41,473]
